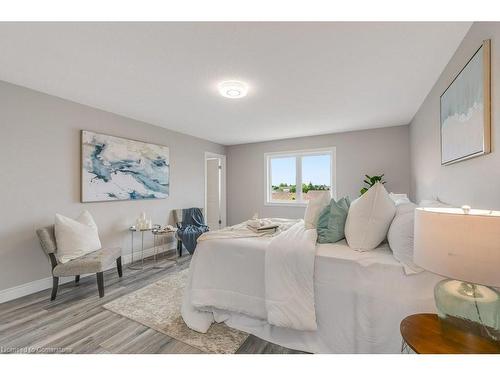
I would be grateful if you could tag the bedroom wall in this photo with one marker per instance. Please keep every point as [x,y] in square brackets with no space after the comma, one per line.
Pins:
[40,176]
[475,182]
[384,150]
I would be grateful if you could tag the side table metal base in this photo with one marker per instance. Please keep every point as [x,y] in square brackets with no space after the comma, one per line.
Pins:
[133,266]
[157,235]
[405,348]
[136,268]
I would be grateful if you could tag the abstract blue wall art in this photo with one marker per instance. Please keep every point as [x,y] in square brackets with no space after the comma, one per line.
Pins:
[465,110]
[116,168]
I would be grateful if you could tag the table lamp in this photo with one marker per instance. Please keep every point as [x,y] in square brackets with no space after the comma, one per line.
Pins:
[464,246]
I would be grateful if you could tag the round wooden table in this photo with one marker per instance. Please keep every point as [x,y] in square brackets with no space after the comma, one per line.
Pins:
[427,334]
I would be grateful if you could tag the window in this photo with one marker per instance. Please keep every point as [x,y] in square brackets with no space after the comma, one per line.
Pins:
[310,170]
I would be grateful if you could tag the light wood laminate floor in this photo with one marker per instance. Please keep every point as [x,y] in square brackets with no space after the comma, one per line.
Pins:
[76,322]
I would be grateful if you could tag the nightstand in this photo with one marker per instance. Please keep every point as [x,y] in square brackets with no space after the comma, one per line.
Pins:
[427,334]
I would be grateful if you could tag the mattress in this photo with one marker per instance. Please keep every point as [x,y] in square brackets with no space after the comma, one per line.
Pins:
[360,297]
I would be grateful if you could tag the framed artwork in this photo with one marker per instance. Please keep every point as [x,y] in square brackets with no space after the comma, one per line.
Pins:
[116,168]
[465,110]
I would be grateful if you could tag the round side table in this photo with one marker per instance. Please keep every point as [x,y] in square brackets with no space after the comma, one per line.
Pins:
[427,334]
[142,231]
[158,234]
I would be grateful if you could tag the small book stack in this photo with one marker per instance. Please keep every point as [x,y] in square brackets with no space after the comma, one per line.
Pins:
[262,226]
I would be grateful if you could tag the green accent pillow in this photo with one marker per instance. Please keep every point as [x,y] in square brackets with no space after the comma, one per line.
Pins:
[331,221]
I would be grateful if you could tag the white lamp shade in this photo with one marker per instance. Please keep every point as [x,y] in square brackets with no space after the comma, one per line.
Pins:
[459,244]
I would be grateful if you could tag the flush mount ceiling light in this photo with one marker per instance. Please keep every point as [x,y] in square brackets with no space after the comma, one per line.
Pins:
[233,89]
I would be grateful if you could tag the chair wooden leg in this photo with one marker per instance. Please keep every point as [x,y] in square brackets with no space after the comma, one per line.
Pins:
[119,266]
[77,279]
[55,285]
[100,284]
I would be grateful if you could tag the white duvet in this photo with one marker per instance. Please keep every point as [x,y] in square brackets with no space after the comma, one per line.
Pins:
[360,298]
[288,280]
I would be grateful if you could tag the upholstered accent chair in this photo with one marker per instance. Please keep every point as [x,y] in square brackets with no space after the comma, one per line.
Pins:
[177,215]
[94,262]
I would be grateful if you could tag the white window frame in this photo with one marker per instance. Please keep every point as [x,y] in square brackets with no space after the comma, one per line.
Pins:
[298,154]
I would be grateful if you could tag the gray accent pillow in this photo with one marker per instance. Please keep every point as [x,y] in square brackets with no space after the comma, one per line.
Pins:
[331,221]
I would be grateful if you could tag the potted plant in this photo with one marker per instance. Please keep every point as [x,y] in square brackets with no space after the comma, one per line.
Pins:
[370,181]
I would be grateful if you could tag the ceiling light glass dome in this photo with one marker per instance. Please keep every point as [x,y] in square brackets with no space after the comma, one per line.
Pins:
[233,89]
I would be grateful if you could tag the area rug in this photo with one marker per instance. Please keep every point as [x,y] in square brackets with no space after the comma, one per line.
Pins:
[158,306]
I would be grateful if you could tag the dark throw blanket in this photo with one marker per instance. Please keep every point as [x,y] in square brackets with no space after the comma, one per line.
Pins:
[193,225]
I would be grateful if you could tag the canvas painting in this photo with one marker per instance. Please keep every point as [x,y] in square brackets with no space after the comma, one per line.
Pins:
[116,168]
[465,117]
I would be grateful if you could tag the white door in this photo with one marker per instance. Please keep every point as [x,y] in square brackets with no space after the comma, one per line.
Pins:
[215,210]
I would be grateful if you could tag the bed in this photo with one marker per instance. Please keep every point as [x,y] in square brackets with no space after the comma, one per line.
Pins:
[360,297]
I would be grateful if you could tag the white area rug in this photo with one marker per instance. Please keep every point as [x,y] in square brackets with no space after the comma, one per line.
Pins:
[158,306]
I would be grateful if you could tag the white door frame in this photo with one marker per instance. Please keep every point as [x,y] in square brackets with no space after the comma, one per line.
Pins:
[211,155]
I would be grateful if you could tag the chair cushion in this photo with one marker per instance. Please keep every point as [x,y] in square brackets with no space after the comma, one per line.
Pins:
[96,261]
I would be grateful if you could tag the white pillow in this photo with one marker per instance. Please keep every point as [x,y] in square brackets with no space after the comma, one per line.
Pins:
[369,219]
[404,208]
[399,198]
[400,237]
[314,208]
[433,203]
[75,238]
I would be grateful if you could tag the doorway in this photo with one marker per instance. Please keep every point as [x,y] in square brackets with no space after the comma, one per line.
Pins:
[215,190]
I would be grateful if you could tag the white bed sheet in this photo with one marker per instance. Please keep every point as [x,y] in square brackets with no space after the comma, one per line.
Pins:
[361,297]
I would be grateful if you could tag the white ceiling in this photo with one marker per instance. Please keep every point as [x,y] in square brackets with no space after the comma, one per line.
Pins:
[305,78]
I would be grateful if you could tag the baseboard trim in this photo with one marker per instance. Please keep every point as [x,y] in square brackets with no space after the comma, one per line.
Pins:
[22,290]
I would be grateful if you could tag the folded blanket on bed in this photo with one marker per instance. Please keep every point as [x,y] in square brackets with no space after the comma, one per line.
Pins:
[259,223]
[243,231]
[289,271]
[287,278]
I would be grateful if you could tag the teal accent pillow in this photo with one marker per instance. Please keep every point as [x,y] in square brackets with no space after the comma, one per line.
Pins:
[331,221]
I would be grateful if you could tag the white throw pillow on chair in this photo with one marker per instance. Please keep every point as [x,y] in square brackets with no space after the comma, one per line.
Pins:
[75,238]
[369,219]
[314,208]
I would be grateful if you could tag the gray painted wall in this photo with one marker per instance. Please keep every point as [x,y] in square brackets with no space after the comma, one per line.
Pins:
[376,151]
[40,176]
[476,181]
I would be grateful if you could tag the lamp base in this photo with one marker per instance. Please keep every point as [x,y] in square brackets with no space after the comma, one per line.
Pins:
[472,307]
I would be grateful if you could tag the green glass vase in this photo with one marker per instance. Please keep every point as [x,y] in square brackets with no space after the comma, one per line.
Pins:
[473,307]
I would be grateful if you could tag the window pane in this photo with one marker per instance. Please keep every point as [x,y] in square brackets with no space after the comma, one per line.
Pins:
[283,179]
[316,175]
